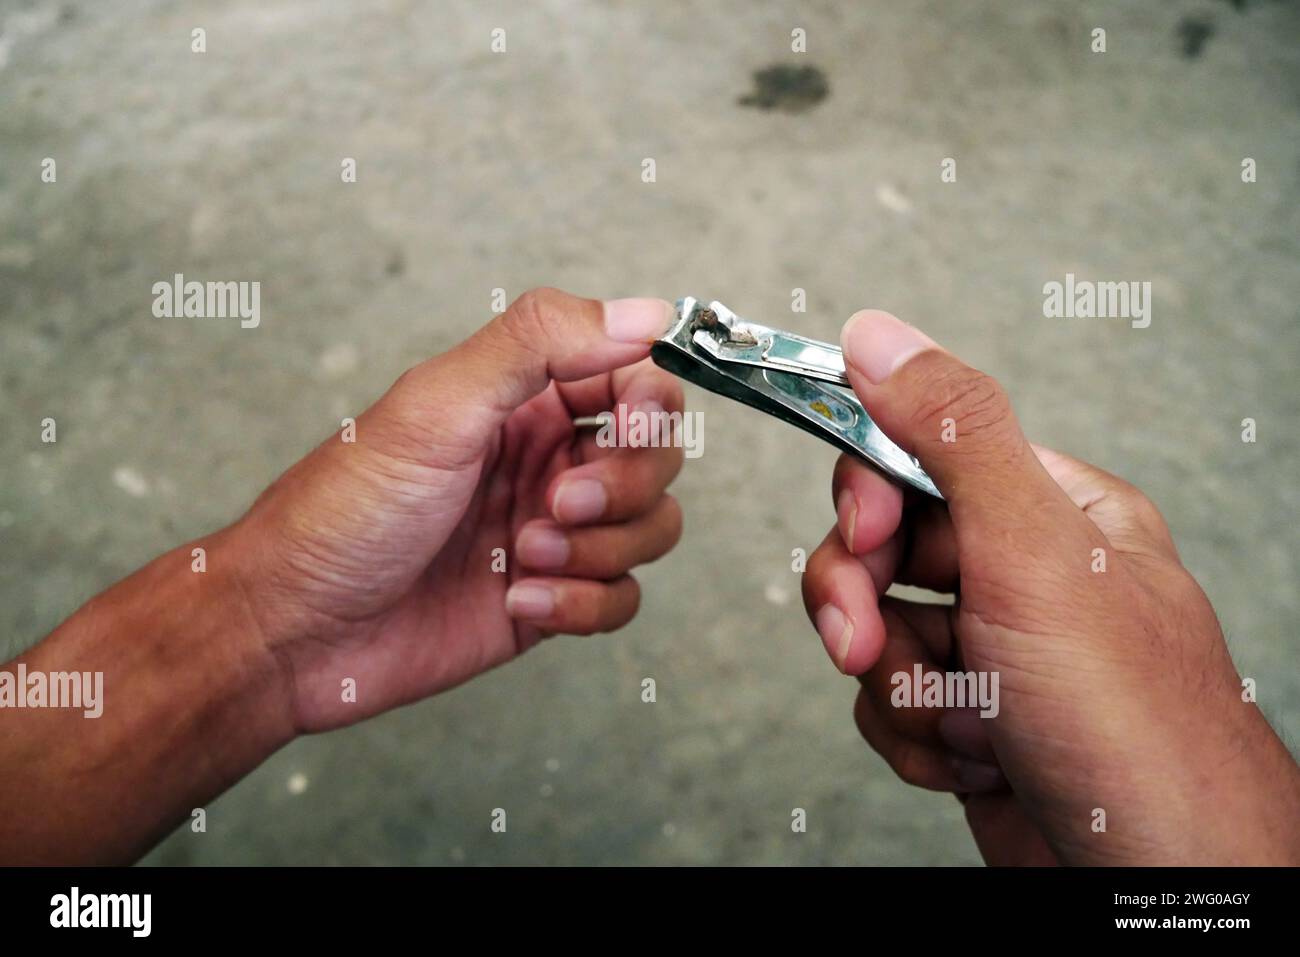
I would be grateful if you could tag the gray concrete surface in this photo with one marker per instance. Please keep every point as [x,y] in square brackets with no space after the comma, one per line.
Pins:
[513,170]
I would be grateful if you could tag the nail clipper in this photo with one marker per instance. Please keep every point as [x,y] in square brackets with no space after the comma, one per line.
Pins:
[800,381]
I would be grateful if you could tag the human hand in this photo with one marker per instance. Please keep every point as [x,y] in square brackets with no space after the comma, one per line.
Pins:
[374,559]
[1117,692]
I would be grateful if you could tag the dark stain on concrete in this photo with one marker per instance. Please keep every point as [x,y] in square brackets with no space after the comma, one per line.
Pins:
[1194,33]
[790,89]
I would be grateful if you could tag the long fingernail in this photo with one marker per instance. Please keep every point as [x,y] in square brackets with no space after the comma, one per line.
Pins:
[876,343]
[963,730]
[836,633]
[978,776]
[530,601]
[847,514]
[637,320]
[542,547]
[579,500]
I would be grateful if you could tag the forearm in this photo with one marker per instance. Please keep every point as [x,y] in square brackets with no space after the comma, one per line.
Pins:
[191,702]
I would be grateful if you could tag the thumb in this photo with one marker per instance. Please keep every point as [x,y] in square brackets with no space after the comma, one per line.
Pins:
[958,422]
[544,335]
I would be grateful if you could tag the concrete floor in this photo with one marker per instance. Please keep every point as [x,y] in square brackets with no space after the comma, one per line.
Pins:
[481,170]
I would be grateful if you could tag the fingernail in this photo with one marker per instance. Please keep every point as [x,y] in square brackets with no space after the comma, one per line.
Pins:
[529,600]
[978,776]
[637,320]
[542,547]
[963,730]
[836,633]
[876,343]
[846,512]
[579,500]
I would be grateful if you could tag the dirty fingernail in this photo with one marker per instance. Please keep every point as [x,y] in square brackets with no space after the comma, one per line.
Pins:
[637,320]
[836,632]
[579,500]
[530,601]
[543,548]
[978,776]
[876,343]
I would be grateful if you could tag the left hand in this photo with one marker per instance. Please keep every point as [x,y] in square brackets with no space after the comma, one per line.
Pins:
[374,559]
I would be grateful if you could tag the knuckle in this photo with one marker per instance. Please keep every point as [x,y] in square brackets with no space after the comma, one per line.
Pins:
[1184,595]
[619,553]
[674,519]
[415,420]
[530,318]
[974,401]
[581,612]
[624,600]
[814,575]
[673,461]
[652,471]
[407,380]
[419,384]
[1141,509]
[527,314]
[534,310]
[808,590]
[862,708]
[876,690]
[662,531]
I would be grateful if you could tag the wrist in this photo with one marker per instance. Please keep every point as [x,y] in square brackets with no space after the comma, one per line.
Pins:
[1231,793]
[1253,807]
[203,642]
[258,627]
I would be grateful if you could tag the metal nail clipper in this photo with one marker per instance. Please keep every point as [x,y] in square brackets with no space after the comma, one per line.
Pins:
[800,381]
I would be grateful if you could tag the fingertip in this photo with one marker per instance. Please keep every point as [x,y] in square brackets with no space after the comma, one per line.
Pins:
[575,606]
[577,499]
[868,507]
[637,320]
[543,546]
[841,600]
[875,343]
[853,639]
[846,517]
[836,632]
[868,642]
[676,516]
[531,601]
[870,315]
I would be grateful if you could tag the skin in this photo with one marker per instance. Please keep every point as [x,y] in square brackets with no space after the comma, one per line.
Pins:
[1117,691]
[370,560]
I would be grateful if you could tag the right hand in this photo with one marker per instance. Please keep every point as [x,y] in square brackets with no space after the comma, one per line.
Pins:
[1117,692]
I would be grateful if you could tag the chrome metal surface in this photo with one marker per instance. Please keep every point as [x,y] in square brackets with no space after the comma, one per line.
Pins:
[798,380]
